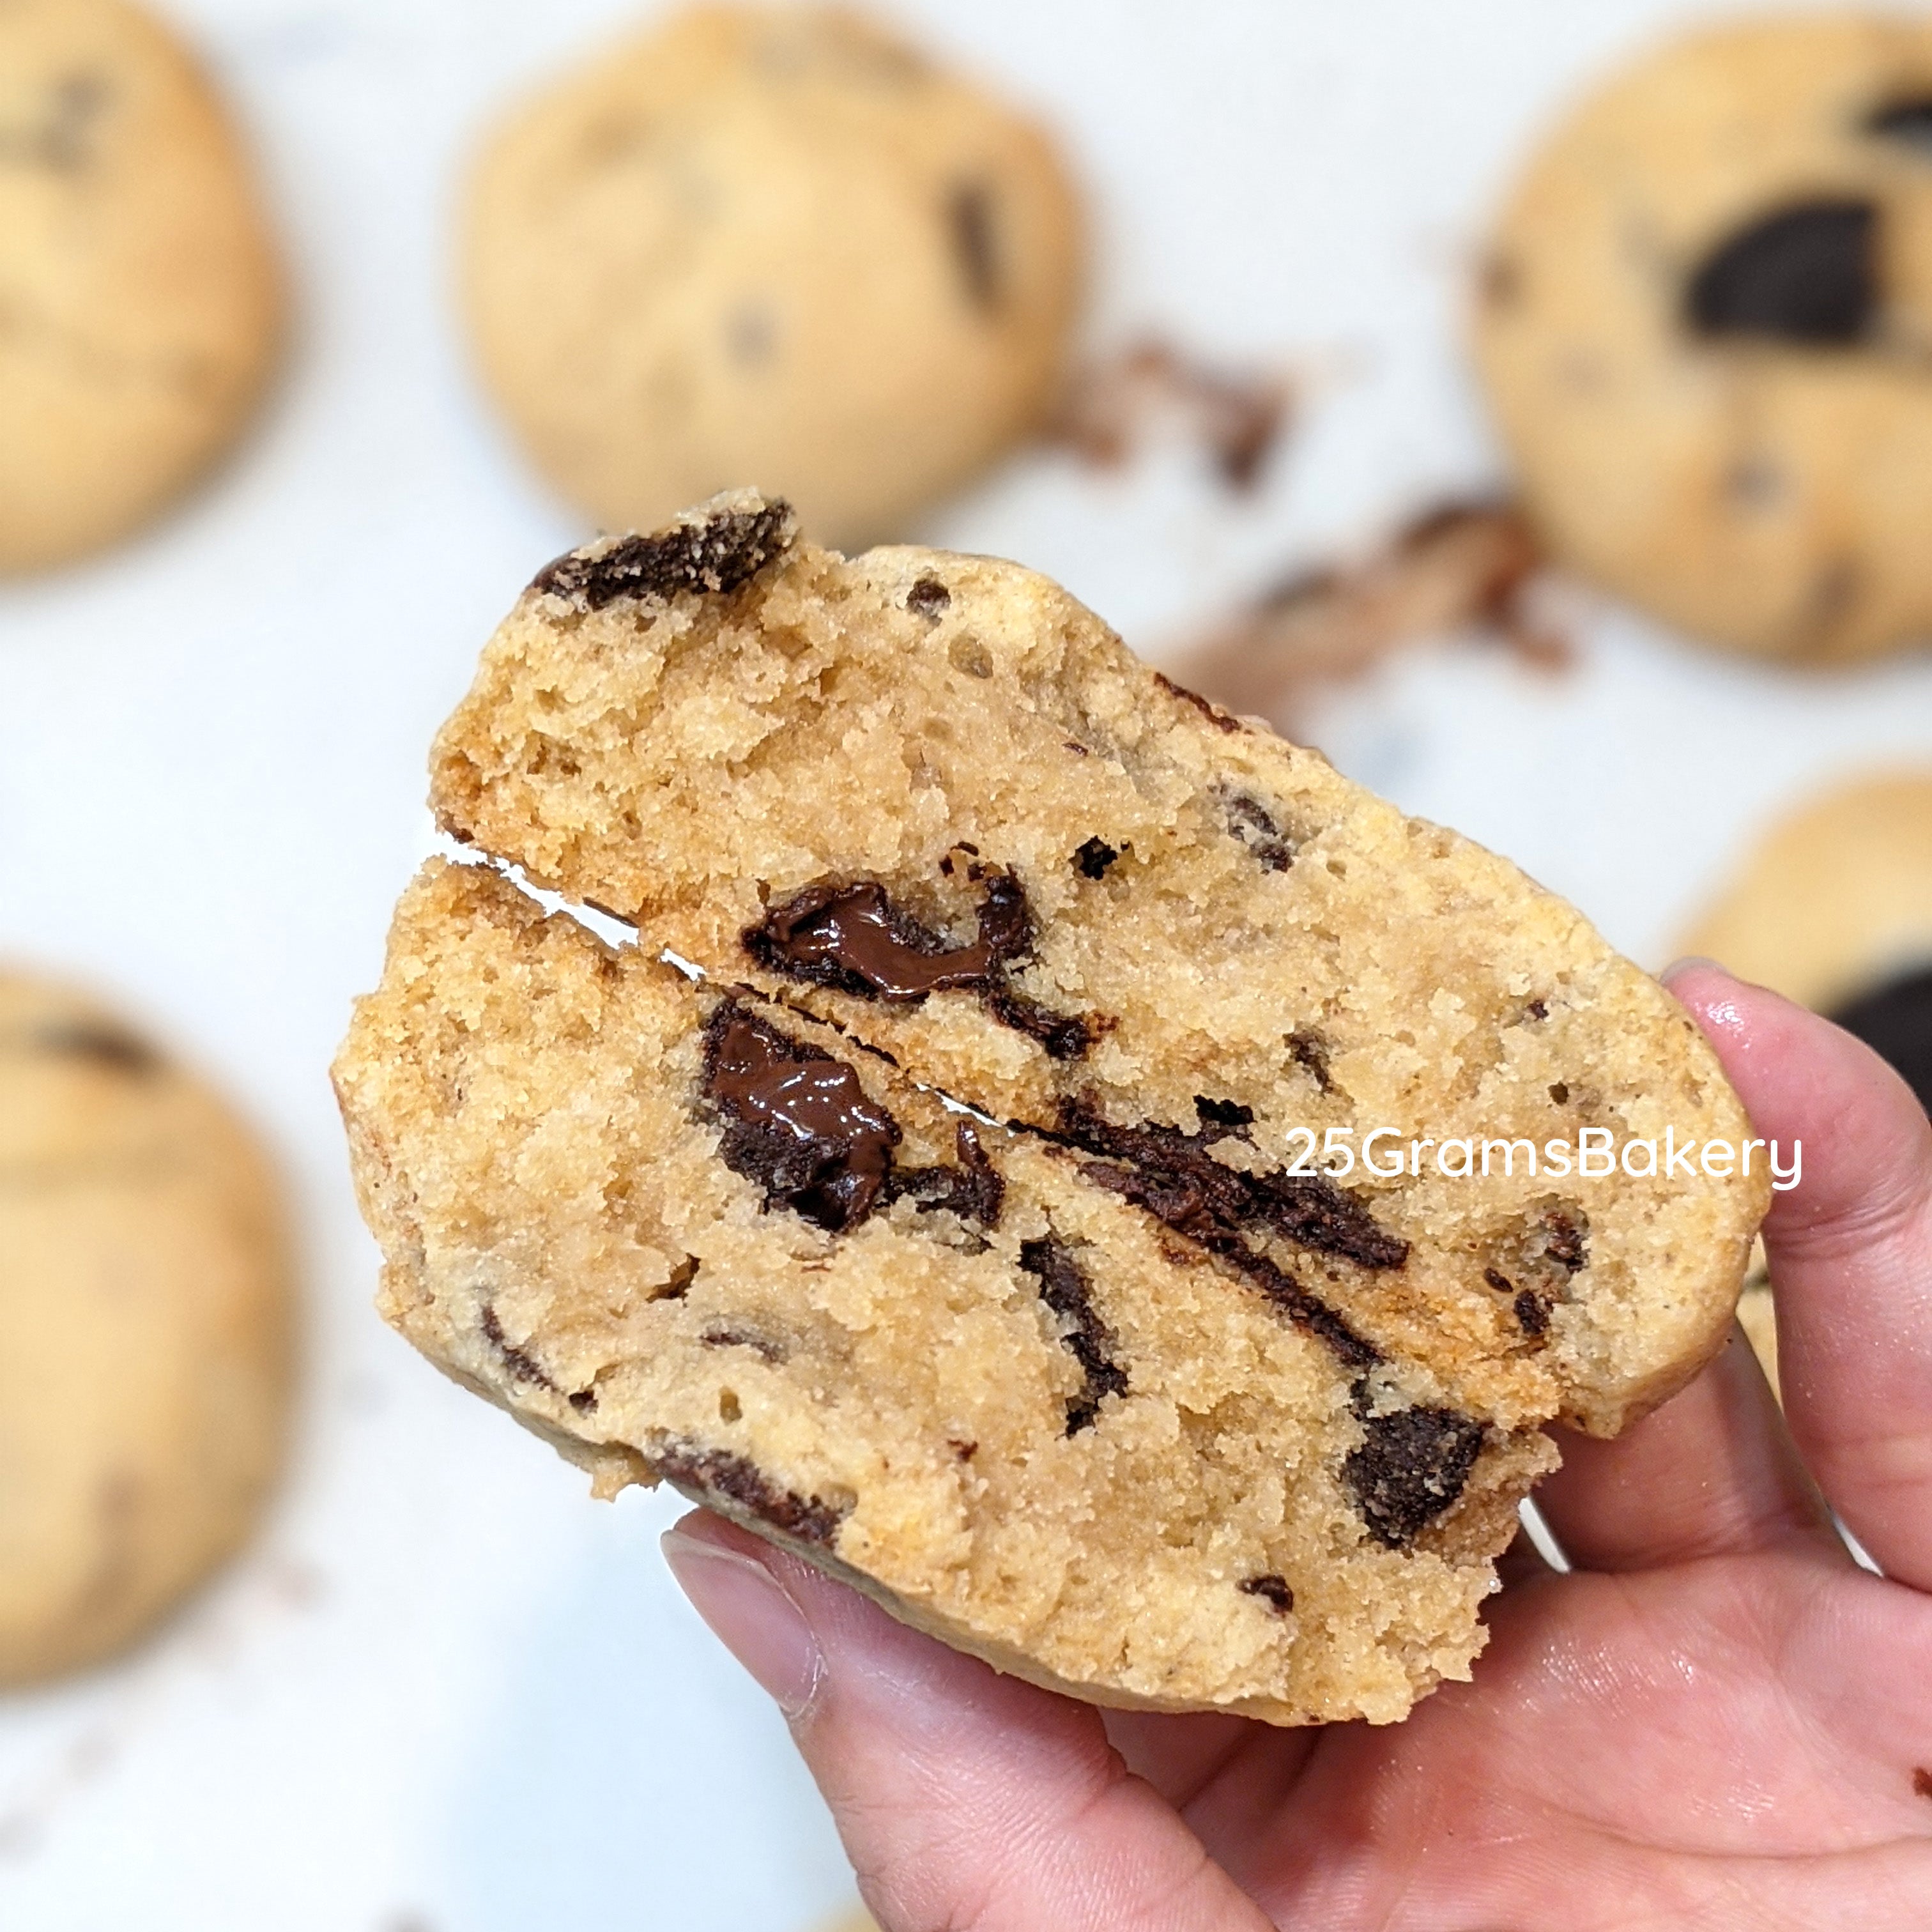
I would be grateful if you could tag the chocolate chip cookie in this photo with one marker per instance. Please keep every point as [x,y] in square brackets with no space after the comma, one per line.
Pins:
[777,243]
[144,1296]
[140,300]
[975,1220]
[1704,320]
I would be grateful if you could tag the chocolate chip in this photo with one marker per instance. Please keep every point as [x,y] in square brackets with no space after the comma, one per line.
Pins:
[853,939]
[106,1046]
[969,210]
[1065,1289]
[1214,714]
[1532,1314]
[717,1475]
[522,1366]
[1412,1465]
[929,598]
[973,1190]
[1894,1020]
[1908,121]
[1807,274]
[1497,1280]
[1565,1237]
[1272,1589]
[1537,1009]
[1254,826]
[796,1120]
[1229,1114]
[1559,1092]
[1094,858]
[724,552]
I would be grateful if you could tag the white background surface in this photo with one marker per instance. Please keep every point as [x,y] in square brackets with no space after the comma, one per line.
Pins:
[449,1694]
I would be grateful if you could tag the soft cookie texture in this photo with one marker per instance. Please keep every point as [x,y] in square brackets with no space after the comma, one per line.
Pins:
[139,290]
[145,1295]
[778,244]
[1104,1379]
[1704,322]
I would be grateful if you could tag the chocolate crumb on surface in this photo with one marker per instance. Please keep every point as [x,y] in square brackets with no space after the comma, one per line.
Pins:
[1411,1466]
[584,1400]
[1252,823]
[1064,1288]
[796,1120]
[1213,713]
[1532,1314]
[733,1335]
[929,598]
[1094,858]
[716,1473]
[1272,1589]
[1805,274]
[720,553]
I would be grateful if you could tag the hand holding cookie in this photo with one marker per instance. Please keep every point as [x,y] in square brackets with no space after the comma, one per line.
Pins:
[1715,1638]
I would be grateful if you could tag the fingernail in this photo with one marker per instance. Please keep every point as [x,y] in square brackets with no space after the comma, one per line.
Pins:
[1678,967]
[751,1616]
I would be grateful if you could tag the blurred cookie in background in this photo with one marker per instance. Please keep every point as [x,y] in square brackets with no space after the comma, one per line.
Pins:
[1834,910]
[145,1296]
[140,298]
[775,246]
[1705,323]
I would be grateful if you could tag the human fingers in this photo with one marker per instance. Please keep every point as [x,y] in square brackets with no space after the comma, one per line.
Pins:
[1850,1249]
[967,1800]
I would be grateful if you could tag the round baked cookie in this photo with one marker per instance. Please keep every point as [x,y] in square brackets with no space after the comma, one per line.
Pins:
[770,245]
[1834,910]
[1705,323]
[144,1296]
[139,287]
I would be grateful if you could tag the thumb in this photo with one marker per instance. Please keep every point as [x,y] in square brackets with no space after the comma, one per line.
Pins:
[966,1800]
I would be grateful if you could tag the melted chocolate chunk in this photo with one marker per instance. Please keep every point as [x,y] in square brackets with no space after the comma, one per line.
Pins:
[796,1120]
[1094,858]
[1806,275]
[1064,1287]
[969,211]
[1174,1177]
[854,940]
[973,1190]
[1412,1465]
[1271,1588]
[1214,714]
[1254,825]
[717,1475]
[106,1046]
[524,1366]
[718,555]
[929,598]
[1909,120]
[1228,1114]
[1895,1021]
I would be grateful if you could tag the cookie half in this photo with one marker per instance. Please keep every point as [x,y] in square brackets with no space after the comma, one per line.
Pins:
[931,805]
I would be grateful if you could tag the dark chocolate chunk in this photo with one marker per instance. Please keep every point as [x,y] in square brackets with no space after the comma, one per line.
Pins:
[929,598]
[524,1366]
[1173,1175]
[1908,121]
[1532,1314]
[1272,1589]
[1064,1287]
[1214,714]
[1894,1020]
[1807,274]
[1254,825]
[717,1475]
[1094,858]
[796,1120]
[1537,1009]
[1497,1280]
[969,211]
[105,1046]
[1411,1466]
[1229,1114]
[1565,1237]
[973,1190]
[726,550]
[854,940]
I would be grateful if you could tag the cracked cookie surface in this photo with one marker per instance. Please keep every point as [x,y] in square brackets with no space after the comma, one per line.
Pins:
[941,831]
[145,1295]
